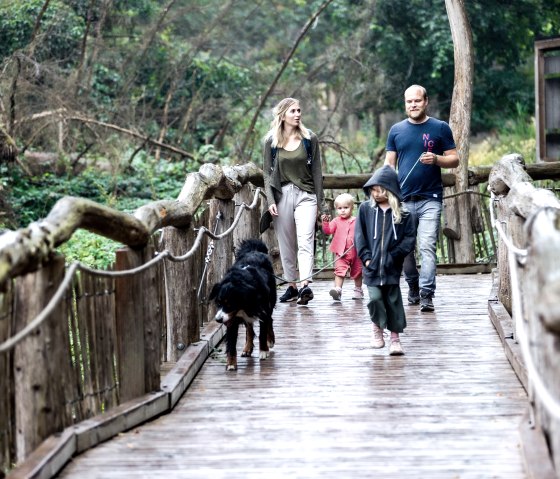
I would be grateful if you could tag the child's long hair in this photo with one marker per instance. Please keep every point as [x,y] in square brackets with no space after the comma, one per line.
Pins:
[276,125]
[394,203]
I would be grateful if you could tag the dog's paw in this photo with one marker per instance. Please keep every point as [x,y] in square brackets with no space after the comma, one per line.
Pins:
[231,367]
[264,354]
[246,354]
[270,344]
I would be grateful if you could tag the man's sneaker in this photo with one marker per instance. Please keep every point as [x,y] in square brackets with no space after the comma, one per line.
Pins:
[395,348]
[305,295]
[289,295]
[377,341]
[426,303]
[413,294]
[336,293]
[358,293]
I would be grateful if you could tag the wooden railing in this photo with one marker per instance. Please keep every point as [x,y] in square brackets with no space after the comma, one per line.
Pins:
[525,305]
[81,350]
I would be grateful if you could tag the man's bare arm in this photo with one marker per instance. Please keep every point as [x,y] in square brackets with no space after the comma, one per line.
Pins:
[449,159]
[391,159]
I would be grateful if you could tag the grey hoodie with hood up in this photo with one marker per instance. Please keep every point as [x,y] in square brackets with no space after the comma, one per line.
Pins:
[378,238]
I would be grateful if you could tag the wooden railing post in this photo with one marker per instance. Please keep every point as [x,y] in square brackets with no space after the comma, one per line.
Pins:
[222,257]
[181,283]
[42,364]
[7,432]
[138,321]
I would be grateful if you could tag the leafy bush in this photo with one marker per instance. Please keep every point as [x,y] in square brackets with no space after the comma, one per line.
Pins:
[517,135]
[90,249]
[31,199]
[61,29]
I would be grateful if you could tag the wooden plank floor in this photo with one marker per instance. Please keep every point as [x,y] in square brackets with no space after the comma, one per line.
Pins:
[327,405]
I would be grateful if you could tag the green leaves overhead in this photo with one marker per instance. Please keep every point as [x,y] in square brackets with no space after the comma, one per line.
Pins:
[190,72]
[58,39]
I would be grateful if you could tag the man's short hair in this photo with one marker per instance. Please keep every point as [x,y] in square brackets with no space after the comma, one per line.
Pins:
[419,87]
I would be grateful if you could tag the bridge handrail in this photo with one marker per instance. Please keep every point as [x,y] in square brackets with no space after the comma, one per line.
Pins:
[67,306]
[527,220]
[547,398]
[160,256]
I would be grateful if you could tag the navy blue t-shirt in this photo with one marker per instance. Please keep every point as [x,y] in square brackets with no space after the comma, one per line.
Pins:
[409,141]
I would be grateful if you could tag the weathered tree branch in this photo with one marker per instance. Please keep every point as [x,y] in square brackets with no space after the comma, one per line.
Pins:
[537,171]
[508,177]
[37,26]
[120,129]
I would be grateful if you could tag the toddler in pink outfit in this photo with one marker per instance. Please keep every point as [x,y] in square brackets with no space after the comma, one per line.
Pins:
[342,245]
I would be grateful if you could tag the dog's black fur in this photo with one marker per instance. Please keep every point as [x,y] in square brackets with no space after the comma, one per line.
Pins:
[247,294]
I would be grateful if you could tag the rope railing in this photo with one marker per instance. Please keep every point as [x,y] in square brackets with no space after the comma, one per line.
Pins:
[535,380]
[160,256]
[466,192]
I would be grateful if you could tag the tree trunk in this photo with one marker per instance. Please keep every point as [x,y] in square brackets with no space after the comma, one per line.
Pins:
[460,118]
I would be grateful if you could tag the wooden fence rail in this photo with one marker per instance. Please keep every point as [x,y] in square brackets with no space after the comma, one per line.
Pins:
[525,310]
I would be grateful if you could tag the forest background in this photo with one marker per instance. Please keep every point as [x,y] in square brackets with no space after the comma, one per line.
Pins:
[117,100]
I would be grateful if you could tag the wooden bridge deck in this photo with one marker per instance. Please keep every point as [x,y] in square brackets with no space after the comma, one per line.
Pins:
[327,405]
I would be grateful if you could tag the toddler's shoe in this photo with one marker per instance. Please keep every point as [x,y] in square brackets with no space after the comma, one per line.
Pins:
[358,293]
[336,293]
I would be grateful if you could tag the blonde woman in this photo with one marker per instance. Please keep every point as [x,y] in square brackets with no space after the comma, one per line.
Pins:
[384,234]
[293,183]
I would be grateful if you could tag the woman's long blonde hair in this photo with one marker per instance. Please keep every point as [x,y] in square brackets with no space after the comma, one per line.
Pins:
[394,203]
[277,123]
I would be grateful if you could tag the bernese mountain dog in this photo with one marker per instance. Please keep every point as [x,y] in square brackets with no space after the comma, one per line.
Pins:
[247,294]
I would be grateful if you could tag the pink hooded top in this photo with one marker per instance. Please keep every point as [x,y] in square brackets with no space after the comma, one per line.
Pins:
[343,230]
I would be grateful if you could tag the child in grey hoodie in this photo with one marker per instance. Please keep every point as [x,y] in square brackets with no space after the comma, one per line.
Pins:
[384,235]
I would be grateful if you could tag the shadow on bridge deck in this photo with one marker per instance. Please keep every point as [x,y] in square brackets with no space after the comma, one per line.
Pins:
[327,405]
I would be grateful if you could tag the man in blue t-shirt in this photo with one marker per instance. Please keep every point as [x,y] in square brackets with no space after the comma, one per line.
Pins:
[419,147]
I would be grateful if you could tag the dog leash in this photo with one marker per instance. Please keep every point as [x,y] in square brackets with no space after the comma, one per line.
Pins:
[406,177]
[208,258]
[284,280]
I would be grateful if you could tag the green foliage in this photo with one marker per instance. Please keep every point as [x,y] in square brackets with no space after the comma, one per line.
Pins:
[516,135]
[33,198]
[192,76]
[60,32]
[414,45]
[90,249]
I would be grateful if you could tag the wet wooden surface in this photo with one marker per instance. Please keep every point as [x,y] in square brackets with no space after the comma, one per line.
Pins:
[327,405]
